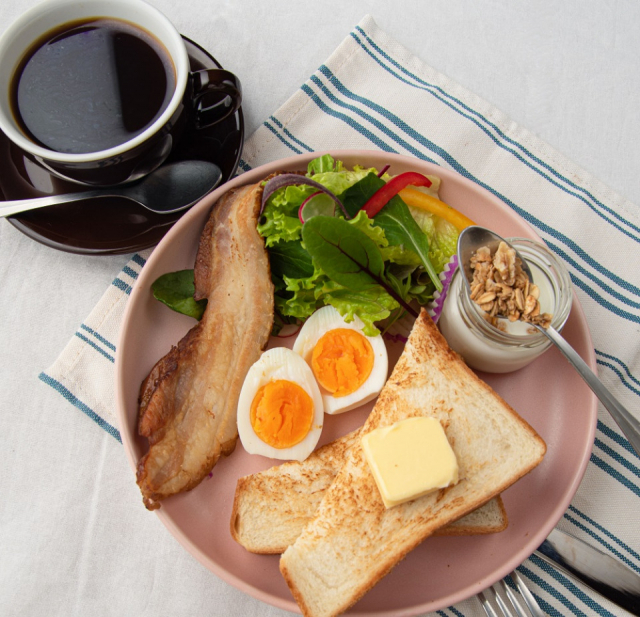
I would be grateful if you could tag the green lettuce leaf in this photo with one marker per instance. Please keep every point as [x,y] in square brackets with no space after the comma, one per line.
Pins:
[339,182]
[401,249]
[442,236]
[279,221]
[371,305]
[366,225]
[324,163]
[444,244]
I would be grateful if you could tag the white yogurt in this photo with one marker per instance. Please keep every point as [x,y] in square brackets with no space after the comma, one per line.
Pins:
[483,346]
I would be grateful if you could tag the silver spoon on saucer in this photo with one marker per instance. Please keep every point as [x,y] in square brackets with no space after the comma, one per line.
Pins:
[474,237]
[170,188]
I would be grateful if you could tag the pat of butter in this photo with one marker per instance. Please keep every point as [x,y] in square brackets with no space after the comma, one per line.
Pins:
[410,459]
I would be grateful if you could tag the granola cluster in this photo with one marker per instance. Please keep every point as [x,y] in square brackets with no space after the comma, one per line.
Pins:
[502,289]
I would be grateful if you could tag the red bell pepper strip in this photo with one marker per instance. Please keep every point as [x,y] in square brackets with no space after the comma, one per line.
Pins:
[382,196]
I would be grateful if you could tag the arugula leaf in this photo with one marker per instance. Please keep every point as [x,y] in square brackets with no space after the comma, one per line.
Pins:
[176,289]
[401,228]
[400,285]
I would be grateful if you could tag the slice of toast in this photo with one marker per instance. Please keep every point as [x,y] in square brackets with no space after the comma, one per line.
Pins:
[271,508]
[353,540]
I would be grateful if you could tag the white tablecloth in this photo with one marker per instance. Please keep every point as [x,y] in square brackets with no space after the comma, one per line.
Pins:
[74,539]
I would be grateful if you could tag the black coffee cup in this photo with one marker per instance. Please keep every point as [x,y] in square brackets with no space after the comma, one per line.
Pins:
[99,91]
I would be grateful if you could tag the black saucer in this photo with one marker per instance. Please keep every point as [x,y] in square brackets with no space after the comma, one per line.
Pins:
[111,225]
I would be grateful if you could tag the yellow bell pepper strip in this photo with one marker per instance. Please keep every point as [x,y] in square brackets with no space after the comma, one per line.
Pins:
[382,196]
[431,204]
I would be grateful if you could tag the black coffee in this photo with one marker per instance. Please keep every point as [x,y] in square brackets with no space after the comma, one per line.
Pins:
[92,85]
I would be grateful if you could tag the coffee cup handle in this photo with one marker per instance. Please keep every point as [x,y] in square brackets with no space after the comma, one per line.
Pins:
[217,85]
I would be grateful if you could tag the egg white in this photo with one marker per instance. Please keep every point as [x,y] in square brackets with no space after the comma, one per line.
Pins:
[279,363]
[328,318]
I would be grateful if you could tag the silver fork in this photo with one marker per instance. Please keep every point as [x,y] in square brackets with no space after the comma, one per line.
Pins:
[527,596]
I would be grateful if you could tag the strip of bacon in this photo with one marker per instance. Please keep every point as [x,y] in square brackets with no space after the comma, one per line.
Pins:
[189,400]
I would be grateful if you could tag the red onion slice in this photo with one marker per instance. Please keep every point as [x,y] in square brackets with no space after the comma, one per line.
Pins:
[283,180]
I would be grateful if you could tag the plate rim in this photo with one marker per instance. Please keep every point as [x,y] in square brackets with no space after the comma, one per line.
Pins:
[297,162]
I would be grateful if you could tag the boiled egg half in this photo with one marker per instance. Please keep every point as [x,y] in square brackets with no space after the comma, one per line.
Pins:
[280,411]
[350,368]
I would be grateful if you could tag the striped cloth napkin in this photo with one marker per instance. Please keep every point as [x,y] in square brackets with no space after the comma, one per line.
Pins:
[372,93]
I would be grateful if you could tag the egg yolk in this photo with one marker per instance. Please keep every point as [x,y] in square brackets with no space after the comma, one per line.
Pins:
[281,413]
[342,361]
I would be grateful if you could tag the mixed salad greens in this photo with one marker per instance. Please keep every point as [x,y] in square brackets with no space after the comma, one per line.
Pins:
[358,239]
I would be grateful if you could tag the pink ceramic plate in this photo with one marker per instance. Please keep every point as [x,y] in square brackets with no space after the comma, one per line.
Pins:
[442,571]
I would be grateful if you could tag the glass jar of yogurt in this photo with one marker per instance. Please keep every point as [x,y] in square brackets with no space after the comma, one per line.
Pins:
[487,348]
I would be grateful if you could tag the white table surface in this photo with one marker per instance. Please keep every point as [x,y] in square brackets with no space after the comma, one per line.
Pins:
[73,534]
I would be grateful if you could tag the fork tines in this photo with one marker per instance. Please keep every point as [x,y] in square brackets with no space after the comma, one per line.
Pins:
[503,607]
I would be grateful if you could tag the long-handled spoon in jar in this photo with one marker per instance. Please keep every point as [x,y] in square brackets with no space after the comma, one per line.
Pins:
[474,237]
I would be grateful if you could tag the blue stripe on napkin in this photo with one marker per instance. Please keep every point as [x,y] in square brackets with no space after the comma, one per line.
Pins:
[500,138]
[76,402]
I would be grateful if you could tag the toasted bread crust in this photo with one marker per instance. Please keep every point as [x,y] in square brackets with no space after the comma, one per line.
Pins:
[353,540]
[271,508]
